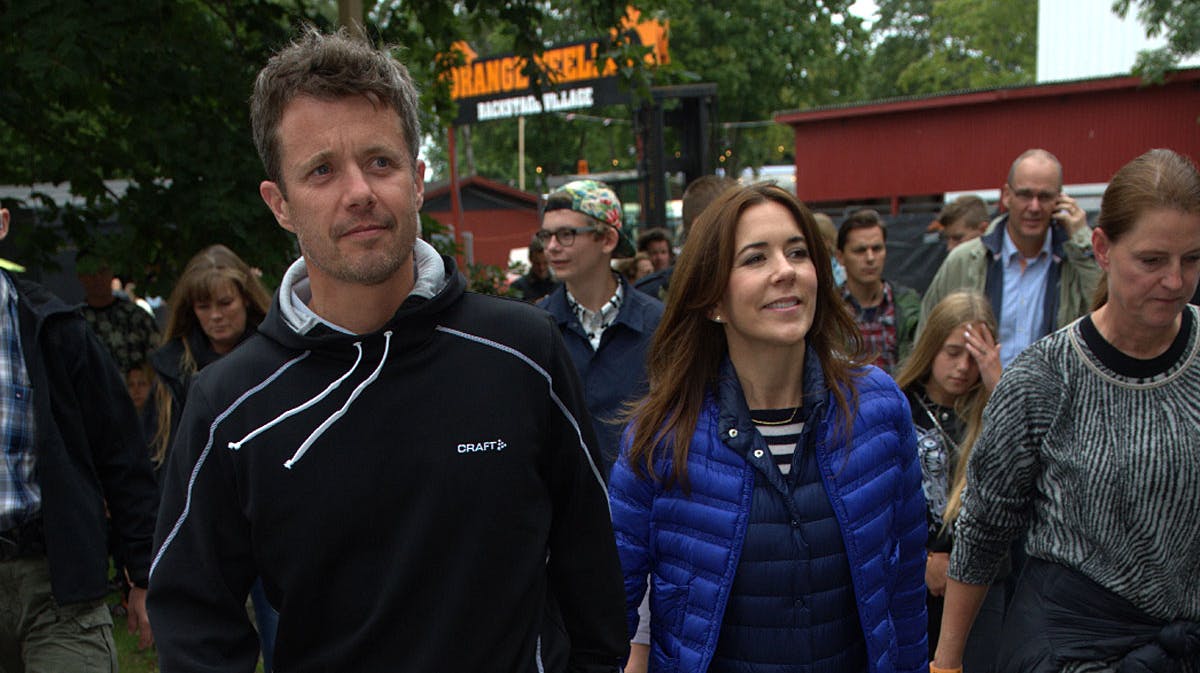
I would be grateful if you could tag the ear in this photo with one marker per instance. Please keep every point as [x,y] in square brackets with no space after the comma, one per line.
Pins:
[419,183]
[610,239]
[3,223]
[1101,248]
[1006,196]
[273,197]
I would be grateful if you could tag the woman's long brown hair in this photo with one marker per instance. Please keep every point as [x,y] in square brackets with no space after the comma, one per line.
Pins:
[205,274]
[687,348]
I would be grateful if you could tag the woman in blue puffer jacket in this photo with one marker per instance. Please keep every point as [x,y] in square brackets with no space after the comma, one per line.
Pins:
[768,486]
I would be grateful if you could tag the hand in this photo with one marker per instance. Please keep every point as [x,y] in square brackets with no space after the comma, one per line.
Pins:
[935,572]
[1068,212]
[137,618]
[986,352]
[639,658]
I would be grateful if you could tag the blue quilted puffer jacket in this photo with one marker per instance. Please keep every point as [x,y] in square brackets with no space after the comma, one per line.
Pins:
[689,545]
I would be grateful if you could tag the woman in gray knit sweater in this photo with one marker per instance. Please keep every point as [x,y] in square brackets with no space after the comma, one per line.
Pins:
[1091,449]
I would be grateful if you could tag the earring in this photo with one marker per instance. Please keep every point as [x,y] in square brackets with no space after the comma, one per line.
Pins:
[716,318]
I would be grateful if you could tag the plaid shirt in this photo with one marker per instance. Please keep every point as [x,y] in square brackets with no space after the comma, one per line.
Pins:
[20,495]
[878,327]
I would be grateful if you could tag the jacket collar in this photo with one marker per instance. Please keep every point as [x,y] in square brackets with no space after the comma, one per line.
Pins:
[734,414]
[993,240]
[36,302]
[633,314]
[411,323]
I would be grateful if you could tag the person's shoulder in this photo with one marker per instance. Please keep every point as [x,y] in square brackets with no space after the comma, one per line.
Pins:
[556,303]
[1053,346]
[650,307]
[250,363]
[521,284]
[42,301]
[903,292]
[966,252]
[485,306]
[871,380]
[1041,368]
[165,358]
[655,284]
[131,310]
[503,320]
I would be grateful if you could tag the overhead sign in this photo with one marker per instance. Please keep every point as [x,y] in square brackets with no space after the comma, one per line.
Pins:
[496,88]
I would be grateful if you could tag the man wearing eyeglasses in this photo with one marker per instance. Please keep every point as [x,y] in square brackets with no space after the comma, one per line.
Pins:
[1035,262]
[605,323]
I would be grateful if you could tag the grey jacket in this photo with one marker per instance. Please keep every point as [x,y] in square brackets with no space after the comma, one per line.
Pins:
[976,265]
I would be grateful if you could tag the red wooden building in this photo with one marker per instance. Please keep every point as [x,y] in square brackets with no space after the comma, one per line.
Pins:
[914,150]
[497,218]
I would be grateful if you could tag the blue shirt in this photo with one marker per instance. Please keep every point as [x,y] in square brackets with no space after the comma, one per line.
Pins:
[1024,297]
[20,494]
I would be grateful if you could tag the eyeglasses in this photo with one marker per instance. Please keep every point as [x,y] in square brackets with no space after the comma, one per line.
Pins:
[565,236]
[1028,195]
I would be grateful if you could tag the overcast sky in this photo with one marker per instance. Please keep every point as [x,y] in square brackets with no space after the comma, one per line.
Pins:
[865,9]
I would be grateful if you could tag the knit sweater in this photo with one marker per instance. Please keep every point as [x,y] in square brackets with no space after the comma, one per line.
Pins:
[1101,466]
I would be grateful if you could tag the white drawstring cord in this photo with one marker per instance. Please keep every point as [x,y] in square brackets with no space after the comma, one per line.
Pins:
[341,412]
[292,412]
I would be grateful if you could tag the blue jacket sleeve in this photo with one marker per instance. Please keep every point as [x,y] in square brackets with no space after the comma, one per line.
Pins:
[630,499]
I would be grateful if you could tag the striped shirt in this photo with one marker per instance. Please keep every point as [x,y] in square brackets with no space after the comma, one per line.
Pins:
[1096,456]
[782,431]
[20,495]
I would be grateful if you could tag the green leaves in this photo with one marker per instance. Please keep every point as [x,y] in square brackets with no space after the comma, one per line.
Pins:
[1177,20]
[931,46]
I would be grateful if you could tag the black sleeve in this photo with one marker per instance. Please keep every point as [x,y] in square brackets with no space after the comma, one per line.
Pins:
[115,439]
[203,567]
[583,568]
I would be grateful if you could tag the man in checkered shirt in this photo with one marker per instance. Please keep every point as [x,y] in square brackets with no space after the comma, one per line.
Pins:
[72,451]
[886,312]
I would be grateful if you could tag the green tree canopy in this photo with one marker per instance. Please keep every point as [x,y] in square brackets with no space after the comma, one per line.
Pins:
[149,92]
[763,55]
[1176,20]
[929,46]
[154,93]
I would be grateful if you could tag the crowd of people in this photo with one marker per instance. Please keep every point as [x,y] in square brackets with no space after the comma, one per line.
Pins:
[743,450]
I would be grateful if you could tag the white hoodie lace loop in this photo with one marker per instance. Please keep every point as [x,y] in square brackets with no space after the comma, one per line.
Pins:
[333,418]
[295,410]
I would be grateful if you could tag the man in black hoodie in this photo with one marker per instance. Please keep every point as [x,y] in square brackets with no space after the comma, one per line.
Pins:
[408,467]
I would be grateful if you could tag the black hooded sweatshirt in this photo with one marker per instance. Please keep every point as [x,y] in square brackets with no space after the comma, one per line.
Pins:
[412,498]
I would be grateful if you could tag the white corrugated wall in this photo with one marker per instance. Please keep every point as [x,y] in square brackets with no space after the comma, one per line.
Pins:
[1082,39]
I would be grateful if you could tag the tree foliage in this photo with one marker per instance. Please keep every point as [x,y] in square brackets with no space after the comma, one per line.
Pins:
[1176,20]
[152,93]
[930,46]
[764,56]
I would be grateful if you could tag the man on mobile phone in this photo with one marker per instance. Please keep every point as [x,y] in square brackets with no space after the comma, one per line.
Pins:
[1034,264]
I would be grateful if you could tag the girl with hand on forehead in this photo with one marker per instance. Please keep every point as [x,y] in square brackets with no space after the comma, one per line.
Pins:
[948,377]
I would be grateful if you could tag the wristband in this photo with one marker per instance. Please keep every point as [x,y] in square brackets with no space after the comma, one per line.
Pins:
[935,669]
